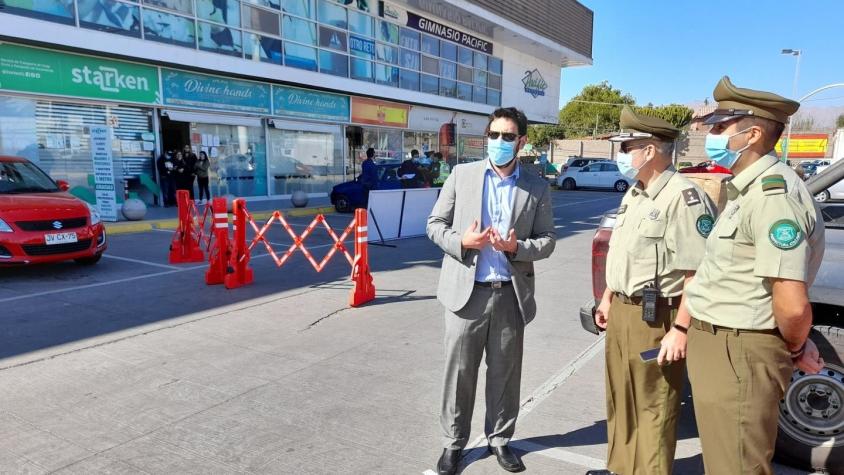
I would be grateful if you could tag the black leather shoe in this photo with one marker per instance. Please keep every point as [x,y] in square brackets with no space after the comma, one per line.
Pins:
[600,472]
[507,459]
[449,460]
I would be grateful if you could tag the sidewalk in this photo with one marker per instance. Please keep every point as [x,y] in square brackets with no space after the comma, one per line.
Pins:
[168,218]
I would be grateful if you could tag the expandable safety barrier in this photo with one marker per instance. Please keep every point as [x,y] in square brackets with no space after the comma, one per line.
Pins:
[190,234]
[235,256]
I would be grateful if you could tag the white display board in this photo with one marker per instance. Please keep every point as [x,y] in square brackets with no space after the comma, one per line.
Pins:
[103,172]
[400,213]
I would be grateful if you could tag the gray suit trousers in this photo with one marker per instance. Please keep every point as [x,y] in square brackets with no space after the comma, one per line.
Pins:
[491,322]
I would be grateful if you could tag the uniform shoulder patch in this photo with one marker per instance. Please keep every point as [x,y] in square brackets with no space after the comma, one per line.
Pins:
[785,234]
[773,184]
[691,196]
[704,225]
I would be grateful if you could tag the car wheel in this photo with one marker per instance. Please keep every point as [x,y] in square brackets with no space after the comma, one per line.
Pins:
[621,186]
[569,184]
[89,261]
[342,204]
[822,197]
[811,420]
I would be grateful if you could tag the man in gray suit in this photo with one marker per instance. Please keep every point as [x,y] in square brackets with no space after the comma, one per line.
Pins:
[492,221]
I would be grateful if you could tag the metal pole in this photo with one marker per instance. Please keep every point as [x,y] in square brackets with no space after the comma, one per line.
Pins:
[787,144]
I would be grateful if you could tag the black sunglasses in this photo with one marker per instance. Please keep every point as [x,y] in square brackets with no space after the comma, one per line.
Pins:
[508,137]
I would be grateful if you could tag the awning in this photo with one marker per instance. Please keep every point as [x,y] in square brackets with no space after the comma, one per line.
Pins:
[206,118]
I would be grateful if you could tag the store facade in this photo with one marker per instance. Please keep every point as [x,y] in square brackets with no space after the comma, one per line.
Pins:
[266,88]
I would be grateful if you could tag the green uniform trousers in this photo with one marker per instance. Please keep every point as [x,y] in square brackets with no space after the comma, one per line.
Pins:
[738,378]
[643,399]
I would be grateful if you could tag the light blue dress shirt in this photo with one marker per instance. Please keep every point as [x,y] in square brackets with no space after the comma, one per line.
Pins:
[497,209]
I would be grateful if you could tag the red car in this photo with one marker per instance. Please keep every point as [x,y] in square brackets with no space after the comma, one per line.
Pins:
[40,222]
[707,167]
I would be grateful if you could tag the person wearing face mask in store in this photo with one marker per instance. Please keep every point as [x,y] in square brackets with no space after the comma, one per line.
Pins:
[748,302]
[492,221]
[656,245]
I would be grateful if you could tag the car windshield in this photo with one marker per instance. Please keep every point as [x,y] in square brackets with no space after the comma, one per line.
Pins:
[24,177]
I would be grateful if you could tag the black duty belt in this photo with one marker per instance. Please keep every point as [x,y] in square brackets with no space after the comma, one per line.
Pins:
[670,302]
[710,328]
[494,285]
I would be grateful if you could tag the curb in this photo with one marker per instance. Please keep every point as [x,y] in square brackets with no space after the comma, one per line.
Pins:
[170,224]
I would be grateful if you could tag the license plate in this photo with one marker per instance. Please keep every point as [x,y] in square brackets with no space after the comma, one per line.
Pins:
[60,238]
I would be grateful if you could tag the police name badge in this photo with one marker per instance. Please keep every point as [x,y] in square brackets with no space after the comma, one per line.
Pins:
[705,223]
[785,234]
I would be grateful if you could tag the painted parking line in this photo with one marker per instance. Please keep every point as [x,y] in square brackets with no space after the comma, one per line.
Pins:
[586,201]
[138,261]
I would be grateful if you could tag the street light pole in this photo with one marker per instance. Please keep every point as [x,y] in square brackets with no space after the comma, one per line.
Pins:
[787,144]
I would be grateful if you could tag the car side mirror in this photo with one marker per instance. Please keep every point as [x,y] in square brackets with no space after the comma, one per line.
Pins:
[63,185]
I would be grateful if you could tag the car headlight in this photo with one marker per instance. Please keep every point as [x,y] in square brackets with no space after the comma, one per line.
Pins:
[5,228]
[95,214]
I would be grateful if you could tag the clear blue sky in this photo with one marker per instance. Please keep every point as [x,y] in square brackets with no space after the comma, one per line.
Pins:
[665,51]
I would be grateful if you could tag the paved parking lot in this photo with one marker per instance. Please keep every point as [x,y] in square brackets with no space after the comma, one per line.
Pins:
[136,366]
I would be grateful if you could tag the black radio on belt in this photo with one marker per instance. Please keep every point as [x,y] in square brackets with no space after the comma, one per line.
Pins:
[650,294]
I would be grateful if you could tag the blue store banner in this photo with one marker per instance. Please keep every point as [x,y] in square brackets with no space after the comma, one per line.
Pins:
[295,102]
[212,92]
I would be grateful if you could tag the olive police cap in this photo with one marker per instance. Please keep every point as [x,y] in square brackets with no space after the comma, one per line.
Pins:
[737,102]
[639,126]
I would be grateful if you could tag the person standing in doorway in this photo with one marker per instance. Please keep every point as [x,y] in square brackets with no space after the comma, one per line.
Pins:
[167,177]
[492,222]
[190,167]
[201,169]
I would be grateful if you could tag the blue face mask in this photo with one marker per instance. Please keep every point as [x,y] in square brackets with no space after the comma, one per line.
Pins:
[501,152]
[625,165]
[716,149]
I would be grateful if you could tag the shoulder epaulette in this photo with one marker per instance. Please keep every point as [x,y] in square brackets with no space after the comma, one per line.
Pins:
[773,184]
[691,197]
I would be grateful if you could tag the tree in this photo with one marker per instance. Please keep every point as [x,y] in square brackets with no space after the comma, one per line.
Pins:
[802,122]
[678,115]
[542,135]
[593,111]
[840,121]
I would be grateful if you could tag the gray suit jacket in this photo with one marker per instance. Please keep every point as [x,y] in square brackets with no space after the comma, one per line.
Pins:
[460,203]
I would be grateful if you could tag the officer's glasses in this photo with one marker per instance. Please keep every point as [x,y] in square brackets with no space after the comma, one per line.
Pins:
[508,137]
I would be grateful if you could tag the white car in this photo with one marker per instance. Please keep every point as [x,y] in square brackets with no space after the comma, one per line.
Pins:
[603,174]
[834,192]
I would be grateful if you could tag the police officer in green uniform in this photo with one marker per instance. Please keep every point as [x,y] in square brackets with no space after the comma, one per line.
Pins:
[748,302]
[656,246]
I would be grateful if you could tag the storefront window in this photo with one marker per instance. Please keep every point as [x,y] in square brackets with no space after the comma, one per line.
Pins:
[481,61]
[305,159]
[430,45]
[388,32]
[480,78]
[220,11]
[166,28]
[261,20]
[111,16]
[422,141]
[448,50]
[448,70]
[494,81]
[409,80]
[333,63]
[332,14]
[362,70]
[387,54]
[409,39]
[60,11]
[429,84]
[238,158]
[220,39]
[386,142]
[409,59]
[464,74]
[464,91]
[17,128]
[448,88]
[298,56]
[334,39]
[495,65]
[465,56]
[471,148]
[299,30]
[181,6]
[387,75]
[430,65]
[263,48]
[360,24]
[304,8]
[275,4]
[479,94]
[493,98]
